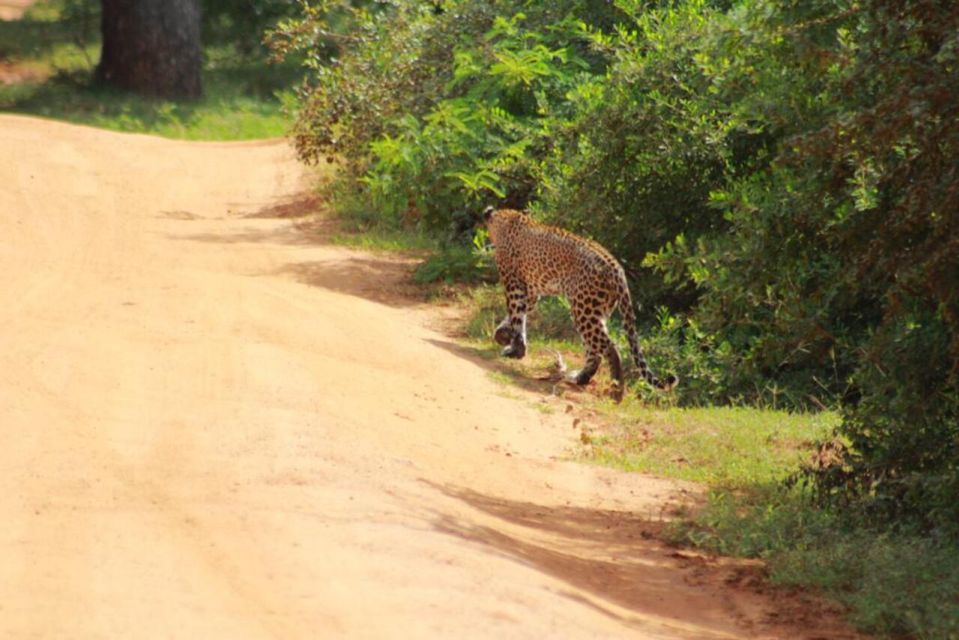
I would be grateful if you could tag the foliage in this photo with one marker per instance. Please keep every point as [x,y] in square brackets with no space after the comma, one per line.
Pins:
[634,164]
[780,176]
[242,24]
[437,109]
[840,265]
[458,264]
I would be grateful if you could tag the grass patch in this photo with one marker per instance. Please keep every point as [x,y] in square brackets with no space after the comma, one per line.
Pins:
[49,60]
[451,265]
[730,447]
[47,41]
[381,239]
[361,226]
[226,111]
[358,225]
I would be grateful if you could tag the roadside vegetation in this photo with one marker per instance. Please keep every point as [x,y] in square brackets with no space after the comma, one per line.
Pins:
[779,181]
[47,62]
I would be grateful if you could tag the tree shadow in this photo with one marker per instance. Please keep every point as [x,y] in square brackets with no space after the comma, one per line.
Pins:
[251,235]
[616,563]
[295,207]
[490,359]
[381,279]
[28,37]
[615,531]
[612,561]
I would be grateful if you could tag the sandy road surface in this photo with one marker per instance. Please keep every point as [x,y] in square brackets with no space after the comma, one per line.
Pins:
[14,9]
[214,429]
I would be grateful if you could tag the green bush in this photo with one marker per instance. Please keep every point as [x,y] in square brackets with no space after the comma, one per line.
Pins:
[634,163]
[439,113]
[458,264]
[780,176]
[837,276]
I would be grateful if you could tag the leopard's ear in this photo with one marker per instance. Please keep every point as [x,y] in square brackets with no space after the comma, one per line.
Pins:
[487,213]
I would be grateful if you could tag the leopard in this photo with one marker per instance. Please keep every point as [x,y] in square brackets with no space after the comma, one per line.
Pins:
[537,260]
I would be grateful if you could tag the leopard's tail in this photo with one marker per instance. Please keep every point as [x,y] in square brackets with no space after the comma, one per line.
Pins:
[629,323]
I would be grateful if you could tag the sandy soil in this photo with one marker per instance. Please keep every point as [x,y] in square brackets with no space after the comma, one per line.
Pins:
[214,428]
[14,9]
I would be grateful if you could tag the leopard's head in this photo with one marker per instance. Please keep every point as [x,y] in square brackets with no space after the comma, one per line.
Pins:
[499,222]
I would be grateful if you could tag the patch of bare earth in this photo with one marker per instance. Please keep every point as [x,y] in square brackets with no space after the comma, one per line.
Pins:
[17,73]
[214,427]
[14,9]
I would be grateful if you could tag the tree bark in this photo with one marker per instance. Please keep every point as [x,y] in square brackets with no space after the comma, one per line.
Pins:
[152,47]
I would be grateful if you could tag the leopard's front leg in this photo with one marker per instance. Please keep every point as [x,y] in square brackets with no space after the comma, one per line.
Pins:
[512,330]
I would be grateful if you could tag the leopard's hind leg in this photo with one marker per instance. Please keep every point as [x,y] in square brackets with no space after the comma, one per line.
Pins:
[590,321]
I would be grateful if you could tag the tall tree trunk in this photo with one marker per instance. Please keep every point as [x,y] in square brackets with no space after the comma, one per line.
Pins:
[152,47]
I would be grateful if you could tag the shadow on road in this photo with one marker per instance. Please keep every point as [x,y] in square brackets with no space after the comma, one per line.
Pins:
[617,563]
[385,280]
[298,206]
[251,235]
[612,560]
[544,382]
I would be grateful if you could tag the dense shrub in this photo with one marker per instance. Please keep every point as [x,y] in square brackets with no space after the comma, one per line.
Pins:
[635,163]
[438,110]
[889,188]
[781,176]
[837,276]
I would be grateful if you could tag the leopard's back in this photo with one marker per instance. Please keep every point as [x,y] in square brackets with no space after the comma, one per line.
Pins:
[554,261]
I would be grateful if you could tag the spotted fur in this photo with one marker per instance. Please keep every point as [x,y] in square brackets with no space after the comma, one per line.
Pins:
[536,260]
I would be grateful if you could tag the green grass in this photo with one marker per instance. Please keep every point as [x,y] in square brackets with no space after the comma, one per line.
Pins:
[360,226]
[383,239]
[46,40]
[728,447]
[243,99]
[224,113]
[549,323]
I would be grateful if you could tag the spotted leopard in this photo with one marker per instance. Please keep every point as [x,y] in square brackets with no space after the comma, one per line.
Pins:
[536,260]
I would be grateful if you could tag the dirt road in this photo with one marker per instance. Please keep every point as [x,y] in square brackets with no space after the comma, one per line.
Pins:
[14,9]
[213,428]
